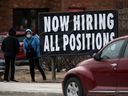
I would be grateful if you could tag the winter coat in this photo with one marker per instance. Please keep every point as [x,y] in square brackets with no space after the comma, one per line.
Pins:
[10,45]
[34,43]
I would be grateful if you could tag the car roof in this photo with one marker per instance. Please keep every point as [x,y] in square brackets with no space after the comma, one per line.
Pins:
[122,37]
[17,33]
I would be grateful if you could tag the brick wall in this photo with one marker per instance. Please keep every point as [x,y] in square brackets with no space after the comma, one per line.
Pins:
[27,3]
[54,5]
[6,7]
[123,22]
[6,10]
[90,4]
[4,15]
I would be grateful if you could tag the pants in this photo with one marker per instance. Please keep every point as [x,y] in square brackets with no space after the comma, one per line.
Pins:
[9,68]
[34,62]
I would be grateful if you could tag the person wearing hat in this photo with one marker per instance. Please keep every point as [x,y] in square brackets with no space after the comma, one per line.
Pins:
[31,48]
[10,47]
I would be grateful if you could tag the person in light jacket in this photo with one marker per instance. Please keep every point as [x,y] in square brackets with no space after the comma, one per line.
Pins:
[34,42]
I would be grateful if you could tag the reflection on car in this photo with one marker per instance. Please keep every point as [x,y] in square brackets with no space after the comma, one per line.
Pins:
[107,71]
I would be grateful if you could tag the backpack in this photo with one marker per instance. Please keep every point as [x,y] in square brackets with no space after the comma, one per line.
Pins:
[30,53]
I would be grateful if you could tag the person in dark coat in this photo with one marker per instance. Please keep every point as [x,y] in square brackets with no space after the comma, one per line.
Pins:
[10,47]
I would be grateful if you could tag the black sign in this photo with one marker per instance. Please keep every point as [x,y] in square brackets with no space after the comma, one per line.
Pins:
[76,32]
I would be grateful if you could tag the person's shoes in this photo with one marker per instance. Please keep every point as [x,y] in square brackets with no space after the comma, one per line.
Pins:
[33,81]
[5,80]
[44,78]
[14,80]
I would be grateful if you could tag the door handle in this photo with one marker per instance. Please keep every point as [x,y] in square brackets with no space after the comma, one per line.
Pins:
[114,66]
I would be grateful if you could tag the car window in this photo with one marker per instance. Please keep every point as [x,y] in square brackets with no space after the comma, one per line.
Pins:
[1,38]
[20,38]
[126,52]
[112,51]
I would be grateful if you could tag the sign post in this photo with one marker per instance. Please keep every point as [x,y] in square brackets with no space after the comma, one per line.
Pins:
[53,68]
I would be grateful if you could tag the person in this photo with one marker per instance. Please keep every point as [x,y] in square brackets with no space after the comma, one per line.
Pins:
[10,47]
[36,35]
[30,42]
[40,59]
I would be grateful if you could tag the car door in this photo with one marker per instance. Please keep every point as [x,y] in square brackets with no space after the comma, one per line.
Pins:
[106,72]
[122,70]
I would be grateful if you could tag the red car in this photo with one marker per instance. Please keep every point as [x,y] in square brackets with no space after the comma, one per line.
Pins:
[106,72]
[20,58]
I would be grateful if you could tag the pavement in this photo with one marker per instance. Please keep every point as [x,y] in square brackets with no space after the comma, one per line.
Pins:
[30,89]
[22,74]
[25,87]
[37,89]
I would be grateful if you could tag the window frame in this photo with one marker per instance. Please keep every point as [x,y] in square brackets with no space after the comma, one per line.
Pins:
[29,19]
[124,50]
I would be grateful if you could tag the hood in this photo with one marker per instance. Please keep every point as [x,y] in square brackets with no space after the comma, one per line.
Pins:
[87,62]
[28,30]
[12,32]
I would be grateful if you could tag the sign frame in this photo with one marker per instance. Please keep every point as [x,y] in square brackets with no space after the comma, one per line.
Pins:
[60,33]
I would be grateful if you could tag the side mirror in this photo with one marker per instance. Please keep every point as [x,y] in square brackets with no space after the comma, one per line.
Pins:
[96,56]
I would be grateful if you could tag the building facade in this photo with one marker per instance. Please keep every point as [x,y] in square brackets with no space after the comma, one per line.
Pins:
[23,14]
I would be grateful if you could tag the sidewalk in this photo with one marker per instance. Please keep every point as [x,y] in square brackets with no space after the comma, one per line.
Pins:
[30,89]
[25,87]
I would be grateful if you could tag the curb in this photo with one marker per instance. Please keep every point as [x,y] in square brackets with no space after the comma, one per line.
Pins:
[30,89]
[8,93]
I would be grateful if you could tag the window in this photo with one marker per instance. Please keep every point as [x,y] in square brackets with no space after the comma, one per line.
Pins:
[126,52]
[26,18]
[112,51]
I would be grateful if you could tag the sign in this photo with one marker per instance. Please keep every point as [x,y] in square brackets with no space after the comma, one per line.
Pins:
[76,32]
